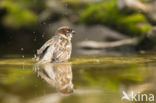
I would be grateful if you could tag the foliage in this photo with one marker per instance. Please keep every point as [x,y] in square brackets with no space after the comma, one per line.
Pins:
[146,1]
[107,13]
[19,12]
[76,5]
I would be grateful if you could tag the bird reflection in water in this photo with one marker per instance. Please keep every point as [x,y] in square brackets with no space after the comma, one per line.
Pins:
[59,75]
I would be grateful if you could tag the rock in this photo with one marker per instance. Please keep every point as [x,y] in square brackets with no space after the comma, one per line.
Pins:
[149,41]
[116,45]
[149,9]
[152,34]
[152,12]
[133,4]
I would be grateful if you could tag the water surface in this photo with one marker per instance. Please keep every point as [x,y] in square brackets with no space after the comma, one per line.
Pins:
[81,80]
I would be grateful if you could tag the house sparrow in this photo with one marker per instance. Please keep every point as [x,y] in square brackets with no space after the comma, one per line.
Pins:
[58,48]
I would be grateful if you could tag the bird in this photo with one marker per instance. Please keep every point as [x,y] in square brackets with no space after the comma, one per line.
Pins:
[58,48]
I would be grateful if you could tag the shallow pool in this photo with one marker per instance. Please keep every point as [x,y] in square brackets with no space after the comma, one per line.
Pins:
[81,80]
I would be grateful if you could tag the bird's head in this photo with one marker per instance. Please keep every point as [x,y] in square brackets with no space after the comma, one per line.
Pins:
[65,32]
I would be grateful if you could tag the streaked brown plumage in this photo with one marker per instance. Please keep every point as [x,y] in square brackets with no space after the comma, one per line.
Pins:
[58,75]
[58,48]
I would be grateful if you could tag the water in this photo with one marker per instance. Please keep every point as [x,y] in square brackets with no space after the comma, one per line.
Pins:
[81,80]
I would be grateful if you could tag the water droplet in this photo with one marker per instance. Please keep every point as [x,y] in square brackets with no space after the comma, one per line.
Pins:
[42,35]
[22,49]
[35,58]
[34,39]
[23,65]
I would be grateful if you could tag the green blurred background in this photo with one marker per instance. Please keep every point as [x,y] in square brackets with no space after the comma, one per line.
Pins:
[26,24]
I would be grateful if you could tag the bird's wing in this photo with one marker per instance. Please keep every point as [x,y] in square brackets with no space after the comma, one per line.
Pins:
[48,50]
[46,45]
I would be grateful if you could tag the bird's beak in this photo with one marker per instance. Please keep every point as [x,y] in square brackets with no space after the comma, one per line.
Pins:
[73,32]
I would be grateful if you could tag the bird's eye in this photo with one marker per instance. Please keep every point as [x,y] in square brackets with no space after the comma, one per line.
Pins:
[70,30]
